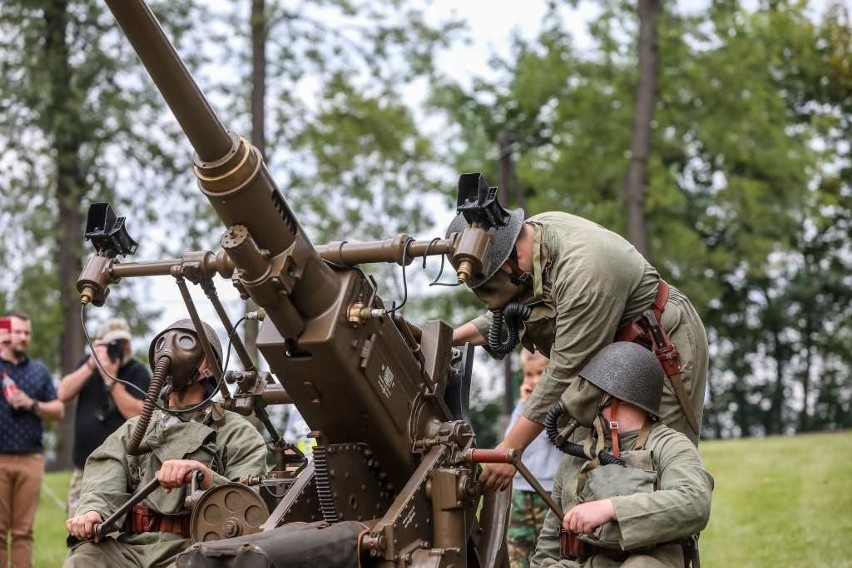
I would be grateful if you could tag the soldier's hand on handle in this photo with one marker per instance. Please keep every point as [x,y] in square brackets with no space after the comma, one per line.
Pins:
[497,476]
[586,517]
[175,473]
[82,527]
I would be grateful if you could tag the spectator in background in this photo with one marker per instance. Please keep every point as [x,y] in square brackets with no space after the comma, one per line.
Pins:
[29,397]
[103,404]
[542,459]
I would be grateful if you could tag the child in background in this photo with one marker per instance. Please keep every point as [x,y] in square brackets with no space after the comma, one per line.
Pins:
[542,459]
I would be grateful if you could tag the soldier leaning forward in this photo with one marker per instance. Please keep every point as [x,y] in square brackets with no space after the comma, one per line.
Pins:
[645,496]
[222,445]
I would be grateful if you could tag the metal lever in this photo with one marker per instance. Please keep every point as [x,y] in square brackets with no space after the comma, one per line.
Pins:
[513,457]
[102,529]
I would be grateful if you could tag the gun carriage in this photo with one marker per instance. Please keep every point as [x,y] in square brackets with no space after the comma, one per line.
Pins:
[393,481]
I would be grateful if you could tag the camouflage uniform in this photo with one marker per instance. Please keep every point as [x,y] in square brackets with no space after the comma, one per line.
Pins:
[525,522]
[229,445]
[588,282]
[646,522]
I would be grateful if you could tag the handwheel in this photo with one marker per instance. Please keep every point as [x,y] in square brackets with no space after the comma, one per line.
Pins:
[227,511]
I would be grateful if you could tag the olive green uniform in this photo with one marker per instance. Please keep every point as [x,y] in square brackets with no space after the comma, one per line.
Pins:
[230,446]
[679,508]
[587,282]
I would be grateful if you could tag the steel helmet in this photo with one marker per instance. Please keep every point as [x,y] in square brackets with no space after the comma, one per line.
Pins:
[628,372]
[503,241]
[478,203]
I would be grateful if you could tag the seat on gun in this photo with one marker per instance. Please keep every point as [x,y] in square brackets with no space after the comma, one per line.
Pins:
[289,546]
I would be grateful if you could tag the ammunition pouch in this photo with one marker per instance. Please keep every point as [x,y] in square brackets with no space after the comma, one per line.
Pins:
[142,519]
[572,547]
[644,331]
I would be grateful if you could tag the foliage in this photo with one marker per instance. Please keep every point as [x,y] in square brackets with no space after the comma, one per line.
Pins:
[748,193]
[77,121]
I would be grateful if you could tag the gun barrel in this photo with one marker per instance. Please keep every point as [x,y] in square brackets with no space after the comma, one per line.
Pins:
[264,238]
[198,120]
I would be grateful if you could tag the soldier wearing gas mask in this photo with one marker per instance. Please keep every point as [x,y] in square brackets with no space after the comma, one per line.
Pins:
[635,492]
[585,287]
[191,434]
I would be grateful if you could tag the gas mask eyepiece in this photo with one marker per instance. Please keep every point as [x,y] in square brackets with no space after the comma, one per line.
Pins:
[185,353]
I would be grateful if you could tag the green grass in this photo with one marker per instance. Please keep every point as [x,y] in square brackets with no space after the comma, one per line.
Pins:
[779,502]
[50,521]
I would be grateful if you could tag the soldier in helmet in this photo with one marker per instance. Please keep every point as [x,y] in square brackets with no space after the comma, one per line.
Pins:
[586,287]
[635,492]
[190,435]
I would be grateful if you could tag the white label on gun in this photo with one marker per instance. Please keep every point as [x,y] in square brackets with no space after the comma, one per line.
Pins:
[386,380]
[409,516]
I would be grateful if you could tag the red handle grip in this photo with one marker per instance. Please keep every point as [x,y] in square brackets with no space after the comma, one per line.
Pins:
[490,456]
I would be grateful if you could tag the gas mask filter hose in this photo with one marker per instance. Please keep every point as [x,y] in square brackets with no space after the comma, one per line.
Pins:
[135,447]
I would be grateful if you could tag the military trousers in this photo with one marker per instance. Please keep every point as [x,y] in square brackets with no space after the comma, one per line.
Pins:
[150,549]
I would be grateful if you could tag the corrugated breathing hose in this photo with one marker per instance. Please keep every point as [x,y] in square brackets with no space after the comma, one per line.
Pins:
[513,314]
[135,447]
[571,448]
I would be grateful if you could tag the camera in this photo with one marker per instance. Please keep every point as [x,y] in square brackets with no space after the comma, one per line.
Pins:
[115,350]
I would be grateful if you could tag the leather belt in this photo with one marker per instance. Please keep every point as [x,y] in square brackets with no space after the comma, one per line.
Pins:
[633,331]
[142,519]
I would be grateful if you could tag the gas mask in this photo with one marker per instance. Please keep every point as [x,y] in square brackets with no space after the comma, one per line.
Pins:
[184,350]
[501,289]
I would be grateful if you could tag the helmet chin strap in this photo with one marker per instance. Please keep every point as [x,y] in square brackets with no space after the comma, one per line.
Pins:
[518,277]
[613,424]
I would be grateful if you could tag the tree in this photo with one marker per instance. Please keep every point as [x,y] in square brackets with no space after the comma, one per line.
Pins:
[72,111]
[640,141]
[746,175]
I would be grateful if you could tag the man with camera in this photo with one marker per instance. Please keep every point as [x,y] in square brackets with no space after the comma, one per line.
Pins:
[103,404]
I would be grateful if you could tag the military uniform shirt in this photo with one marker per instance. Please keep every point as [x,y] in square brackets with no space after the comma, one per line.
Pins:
[587,282]
[679,508]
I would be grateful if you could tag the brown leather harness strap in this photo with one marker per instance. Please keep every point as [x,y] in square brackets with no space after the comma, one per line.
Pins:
[613,427]
[648,332]
[142,519]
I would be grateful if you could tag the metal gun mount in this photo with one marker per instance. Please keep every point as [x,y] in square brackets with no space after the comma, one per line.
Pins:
[393,482]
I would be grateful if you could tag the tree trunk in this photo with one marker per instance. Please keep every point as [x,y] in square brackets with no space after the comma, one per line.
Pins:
[69,191]
[259,34]
[640,142]
[808,338]
[776,410]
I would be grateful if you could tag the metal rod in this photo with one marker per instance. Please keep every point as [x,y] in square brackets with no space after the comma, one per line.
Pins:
[202,337]
[388,250]
[102,528]
[513,457]
[235,339]
[515,460]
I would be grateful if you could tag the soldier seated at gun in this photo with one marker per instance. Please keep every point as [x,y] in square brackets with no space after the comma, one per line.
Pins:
[195,435]
[646,504]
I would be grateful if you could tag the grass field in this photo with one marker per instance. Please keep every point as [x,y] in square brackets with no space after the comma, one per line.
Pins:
[779,502]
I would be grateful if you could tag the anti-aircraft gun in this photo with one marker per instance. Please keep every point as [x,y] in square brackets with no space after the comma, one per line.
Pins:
[393,482]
